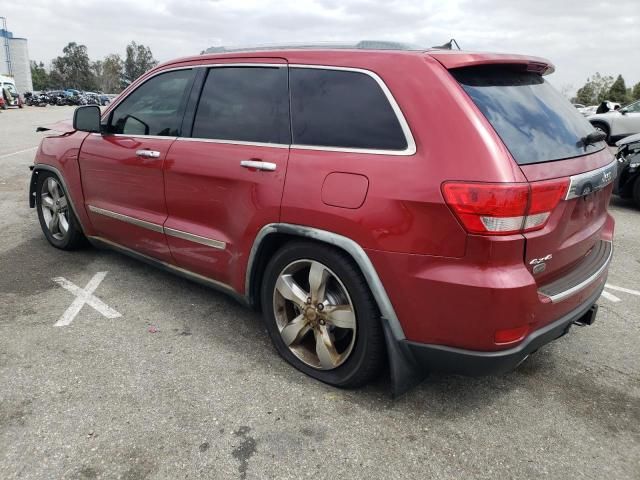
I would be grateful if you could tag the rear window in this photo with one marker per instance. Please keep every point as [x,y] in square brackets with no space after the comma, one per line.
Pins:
[536,123]
[344,109]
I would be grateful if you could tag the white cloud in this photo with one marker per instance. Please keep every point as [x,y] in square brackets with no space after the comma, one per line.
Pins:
[579,37]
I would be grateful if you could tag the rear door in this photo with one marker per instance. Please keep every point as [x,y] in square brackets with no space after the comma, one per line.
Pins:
[122,169]
[546,137]
[224,179]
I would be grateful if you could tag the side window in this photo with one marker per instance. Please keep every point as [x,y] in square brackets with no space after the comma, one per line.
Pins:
[155,107]
[345,109]
[249,104]
[633,108]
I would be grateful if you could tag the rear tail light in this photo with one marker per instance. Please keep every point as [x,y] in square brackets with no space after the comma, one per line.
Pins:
[503,208]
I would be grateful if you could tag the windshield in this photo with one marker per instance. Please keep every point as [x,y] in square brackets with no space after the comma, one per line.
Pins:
[535,122]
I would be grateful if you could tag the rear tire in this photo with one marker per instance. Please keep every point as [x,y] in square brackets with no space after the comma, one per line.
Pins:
[343,346]
[57,219]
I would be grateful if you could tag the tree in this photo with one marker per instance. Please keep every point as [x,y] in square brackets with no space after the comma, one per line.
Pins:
[635,93]
[110,80]
[138,60]
[618,91]
[73,68]
[39,76]
[595,90]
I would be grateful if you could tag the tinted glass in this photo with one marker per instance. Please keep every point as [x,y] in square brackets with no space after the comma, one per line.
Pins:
[249,104]
[155,107]
[634,107]
[536,123]
[342,109]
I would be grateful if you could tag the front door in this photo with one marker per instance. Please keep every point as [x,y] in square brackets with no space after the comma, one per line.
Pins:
[122,169]
[225,181]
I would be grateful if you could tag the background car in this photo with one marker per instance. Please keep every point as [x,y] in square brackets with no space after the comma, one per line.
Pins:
[617,124]
[627,184]
[10,95]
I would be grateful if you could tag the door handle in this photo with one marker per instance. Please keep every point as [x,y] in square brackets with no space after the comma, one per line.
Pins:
[148,153]
[258,165]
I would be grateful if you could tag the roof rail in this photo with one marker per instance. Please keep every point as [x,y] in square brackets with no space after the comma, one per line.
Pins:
[360,45]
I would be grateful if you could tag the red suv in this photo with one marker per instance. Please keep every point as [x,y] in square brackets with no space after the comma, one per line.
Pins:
[436,210]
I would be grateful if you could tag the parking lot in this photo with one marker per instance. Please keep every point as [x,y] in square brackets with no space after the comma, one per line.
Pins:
[184,383]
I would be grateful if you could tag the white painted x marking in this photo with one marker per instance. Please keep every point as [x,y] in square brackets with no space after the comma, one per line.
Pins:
[84,295]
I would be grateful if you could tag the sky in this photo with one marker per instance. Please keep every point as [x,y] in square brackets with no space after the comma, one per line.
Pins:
[579,36]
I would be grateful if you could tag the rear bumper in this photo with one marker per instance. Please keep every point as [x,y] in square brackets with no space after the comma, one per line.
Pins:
[440,358]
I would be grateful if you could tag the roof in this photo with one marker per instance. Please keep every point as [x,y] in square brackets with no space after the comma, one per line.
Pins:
[341,53]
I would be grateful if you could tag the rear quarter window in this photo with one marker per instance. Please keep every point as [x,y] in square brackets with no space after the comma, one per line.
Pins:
[535,122]
[344,109]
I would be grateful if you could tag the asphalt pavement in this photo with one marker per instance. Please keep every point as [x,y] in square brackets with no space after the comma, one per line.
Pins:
[185,382]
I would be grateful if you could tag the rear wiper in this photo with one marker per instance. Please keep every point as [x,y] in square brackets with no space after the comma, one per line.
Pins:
[593,137]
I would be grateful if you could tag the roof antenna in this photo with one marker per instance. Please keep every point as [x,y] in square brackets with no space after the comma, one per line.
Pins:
[448,45]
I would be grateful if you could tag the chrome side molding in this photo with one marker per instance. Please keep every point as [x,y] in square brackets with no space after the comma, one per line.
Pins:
[155,227]
[588,182]
[209,242]
[126,218]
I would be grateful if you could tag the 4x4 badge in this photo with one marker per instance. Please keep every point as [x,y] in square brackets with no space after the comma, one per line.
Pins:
[539,264]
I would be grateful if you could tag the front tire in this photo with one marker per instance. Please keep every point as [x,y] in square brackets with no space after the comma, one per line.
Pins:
[321,316]
[57,220]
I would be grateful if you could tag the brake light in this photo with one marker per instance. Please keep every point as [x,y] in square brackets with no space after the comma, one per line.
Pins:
[503,208]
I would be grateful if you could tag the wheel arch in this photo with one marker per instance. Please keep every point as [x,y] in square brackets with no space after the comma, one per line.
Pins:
[402,365]
[270,238]
[601,121]
[35,172]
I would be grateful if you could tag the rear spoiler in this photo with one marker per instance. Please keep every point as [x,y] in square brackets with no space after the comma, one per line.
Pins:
[455,59]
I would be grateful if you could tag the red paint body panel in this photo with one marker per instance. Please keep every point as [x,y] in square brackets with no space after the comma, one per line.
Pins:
[209,194]
[61,152]
[114,178]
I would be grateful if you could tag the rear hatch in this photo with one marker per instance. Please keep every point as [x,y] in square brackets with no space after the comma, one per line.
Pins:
[546,137]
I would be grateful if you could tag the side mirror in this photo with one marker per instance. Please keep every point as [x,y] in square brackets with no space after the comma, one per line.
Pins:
[623,111]
[87,119]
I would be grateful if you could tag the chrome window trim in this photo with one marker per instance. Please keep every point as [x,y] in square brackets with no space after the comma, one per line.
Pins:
[404,125]
[113,106]
[232,142]
[582,285]
[126,218]
[209,242]
[592,181]
[406,130]
[351,247]
[156,137]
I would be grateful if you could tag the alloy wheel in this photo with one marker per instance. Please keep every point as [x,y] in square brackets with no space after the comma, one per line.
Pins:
[314,314]
[55,208]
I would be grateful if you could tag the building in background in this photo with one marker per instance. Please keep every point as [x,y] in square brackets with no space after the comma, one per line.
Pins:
[14,58]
